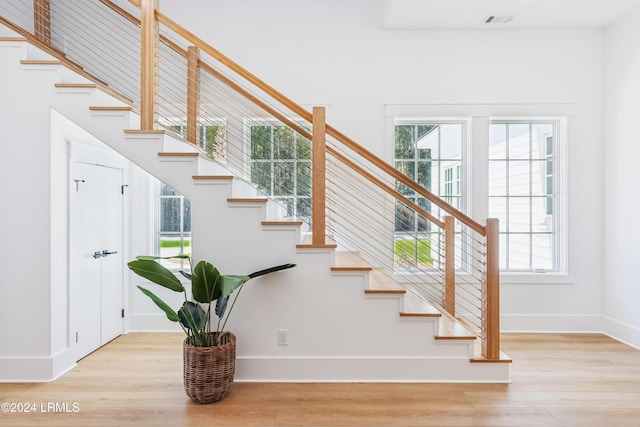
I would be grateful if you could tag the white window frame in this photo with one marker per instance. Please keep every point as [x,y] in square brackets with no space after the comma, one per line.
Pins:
[476,182]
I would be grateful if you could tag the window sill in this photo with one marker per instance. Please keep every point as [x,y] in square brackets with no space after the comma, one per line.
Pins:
[536,278]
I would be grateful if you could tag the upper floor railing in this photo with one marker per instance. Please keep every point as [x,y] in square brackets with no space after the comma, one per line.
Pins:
[342,190]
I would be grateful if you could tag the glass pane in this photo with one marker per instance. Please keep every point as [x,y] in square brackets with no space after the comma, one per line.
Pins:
[170,245]
[542,250]
[407,168]
[165,190]
[303,147]
[519,214]
[540,221]
[304,179]
[283,173]
[284,143]
[186,216]
[261,176]
[429,143]
[423,252]
[303,207]
[170,215]
[498,209]
[260,142]
[539,135]
[498,141]
[497,178]
[538,177]
[424,174]
[405,218]
[519,250]
[404,147]
[519,175]
[405,252]
[451,141]
[519,141]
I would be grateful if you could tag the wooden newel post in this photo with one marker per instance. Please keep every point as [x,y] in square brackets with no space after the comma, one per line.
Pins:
[318,211]
[193,93]
[491,318]
[148,63]
[450,265]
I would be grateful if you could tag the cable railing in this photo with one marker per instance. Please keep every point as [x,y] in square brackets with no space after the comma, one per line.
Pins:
[339,189]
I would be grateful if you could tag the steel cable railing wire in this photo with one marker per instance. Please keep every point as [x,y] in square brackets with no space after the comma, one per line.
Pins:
[100,41]
[20,14]
[172,100]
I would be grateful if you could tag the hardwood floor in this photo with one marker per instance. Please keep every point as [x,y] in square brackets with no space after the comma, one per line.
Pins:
[136,380]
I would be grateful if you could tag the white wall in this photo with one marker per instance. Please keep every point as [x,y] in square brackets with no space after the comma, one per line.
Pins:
[621,287]
[336,53]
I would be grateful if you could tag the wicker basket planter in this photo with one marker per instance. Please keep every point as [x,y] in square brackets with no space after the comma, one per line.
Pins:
[208,371]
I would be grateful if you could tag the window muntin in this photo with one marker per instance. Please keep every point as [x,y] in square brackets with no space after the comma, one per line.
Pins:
[281,166]
[521,193]
[429,152]
[174,234]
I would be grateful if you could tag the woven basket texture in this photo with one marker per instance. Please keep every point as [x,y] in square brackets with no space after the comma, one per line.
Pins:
[208,371]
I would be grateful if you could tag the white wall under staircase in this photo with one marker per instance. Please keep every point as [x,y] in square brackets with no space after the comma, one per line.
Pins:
[335,332]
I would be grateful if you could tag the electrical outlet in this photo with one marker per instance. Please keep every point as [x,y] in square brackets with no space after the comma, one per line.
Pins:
[283,337]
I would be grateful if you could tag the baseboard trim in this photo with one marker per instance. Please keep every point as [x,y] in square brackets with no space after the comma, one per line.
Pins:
[367,369]
[36,369]
[623,332]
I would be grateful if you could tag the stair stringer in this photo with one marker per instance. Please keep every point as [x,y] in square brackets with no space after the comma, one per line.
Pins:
[335,333]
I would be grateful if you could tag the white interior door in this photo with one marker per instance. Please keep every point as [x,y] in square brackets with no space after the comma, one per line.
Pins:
[96,263]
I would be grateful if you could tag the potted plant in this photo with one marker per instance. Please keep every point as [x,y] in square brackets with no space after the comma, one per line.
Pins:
[209,355]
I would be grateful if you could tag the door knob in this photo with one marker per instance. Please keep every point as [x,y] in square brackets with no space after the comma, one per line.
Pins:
[98,254]
[107,253]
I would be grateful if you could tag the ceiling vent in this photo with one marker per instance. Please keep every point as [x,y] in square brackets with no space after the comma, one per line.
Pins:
[498,19]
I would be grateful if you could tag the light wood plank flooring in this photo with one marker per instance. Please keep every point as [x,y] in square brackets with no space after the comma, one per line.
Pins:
[557,380]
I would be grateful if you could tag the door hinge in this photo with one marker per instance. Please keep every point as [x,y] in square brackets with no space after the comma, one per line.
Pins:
[76,338]
[122,188]
[123,313]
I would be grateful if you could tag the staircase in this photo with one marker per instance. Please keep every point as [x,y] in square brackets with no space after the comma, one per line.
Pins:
[345,320]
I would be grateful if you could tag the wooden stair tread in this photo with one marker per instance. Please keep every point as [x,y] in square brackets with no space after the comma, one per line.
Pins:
[212,177]
[41,62]
[414,306]
[142,132]
[247,200]
[179,154]
[77,85]
[283,221]
[350,261]
[110,108]
[13,39]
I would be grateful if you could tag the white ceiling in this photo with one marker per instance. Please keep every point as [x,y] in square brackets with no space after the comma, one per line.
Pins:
[528,14]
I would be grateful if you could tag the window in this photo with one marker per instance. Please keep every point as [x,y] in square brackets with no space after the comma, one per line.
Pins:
[429,152]
[175,225]
[281,166]
[212,137]
[519,176]
[521,192]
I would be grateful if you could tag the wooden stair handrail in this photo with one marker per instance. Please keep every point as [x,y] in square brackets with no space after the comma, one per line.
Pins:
[306,115]
[395,173]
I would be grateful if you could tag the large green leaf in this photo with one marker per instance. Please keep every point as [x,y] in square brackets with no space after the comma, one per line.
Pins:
[230,283]
[192,316]
[271,270]
[171,315]
[153,258]
[157,273]
[205,282]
